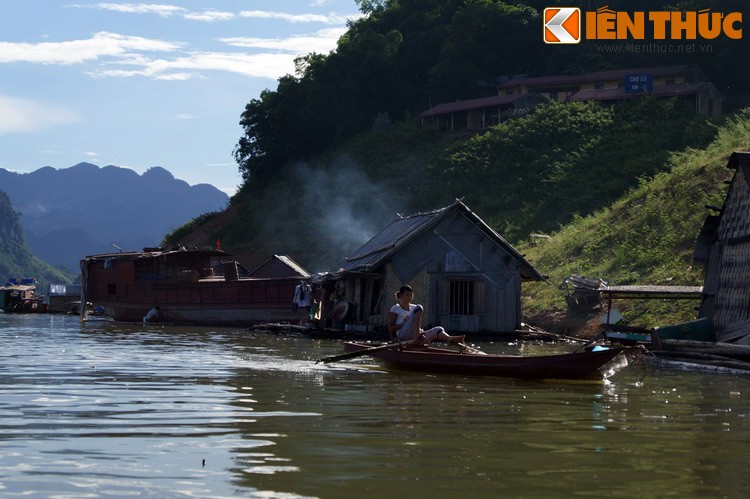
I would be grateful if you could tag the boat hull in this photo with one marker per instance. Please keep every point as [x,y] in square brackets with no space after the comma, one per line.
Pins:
[580,365]
[205,314]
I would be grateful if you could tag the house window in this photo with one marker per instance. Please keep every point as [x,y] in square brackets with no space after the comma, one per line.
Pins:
[461,298]
[670,81]
[599,86]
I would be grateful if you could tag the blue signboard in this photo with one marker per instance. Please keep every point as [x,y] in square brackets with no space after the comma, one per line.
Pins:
[639,84]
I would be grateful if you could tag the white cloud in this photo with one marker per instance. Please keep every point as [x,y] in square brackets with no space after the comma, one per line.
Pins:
[269,66]
[296,18]
[322,41]
[102,44]
[138,8]
[185,116]
[209,15]
[23,115]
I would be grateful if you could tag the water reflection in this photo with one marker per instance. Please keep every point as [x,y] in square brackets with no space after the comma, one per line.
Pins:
[111,409]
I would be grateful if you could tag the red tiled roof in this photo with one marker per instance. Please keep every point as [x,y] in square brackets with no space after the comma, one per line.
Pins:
[465,105]
[619,93]
[616,74]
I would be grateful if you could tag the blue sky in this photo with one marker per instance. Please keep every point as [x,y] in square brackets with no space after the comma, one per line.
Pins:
[147,84]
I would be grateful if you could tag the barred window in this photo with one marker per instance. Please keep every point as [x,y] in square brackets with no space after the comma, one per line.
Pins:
[461,298]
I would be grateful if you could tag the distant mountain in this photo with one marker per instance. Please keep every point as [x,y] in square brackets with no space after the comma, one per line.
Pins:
[16,261]
[69,213]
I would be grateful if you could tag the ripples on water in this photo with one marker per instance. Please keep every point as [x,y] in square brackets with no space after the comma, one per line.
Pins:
[106,409]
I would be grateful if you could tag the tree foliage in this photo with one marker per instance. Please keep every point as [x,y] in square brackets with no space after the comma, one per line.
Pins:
[533,174]
[405,55]
[16,260]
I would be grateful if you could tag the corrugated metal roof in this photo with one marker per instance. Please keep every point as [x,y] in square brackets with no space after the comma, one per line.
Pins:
[151,254]
[615,74]
[280,266]
[404,230]
[465,105]
[293,265]
[620,94]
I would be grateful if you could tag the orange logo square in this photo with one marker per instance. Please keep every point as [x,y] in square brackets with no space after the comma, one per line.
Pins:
[562,25]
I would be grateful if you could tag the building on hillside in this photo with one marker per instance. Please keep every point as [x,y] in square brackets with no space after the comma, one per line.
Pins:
[478,114]
[723,248]
[686,82]
[464,273]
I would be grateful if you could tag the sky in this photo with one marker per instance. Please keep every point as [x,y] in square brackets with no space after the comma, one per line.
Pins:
[138,85]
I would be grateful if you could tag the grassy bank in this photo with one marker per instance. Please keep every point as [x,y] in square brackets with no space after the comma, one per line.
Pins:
[645,237]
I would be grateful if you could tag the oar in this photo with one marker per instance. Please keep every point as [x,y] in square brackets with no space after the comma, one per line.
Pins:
[366,351]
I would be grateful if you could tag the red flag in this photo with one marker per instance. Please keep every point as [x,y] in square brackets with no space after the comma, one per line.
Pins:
[218,243]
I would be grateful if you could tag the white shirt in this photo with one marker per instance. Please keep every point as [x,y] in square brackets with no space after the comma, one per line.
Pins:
[403,319]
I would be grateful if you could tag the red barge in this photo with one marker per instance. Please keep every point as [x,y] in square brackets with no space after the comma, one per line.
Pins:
[191,286]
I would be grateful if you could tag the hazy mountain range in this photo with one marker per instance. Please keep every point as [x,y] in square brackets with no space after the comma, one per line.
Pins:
[69,213]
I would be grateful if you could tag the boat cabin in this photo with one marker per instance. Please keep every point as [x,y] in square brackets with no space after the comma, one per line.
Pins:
[19,296]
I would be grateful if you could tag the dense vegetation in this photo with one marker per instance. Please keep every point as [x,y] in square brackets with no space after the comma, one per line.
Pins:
[334,152]
[16,261]
[408,54]
[534,174]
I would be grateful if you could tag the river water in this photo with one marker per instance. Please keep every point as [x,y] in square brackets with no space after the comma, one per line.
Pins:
[123,410]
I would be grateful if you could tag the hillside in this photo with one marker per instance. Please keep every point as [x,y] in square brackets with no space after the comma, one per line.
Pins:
[526,175]
[16,261]
[73,212]
[645,237]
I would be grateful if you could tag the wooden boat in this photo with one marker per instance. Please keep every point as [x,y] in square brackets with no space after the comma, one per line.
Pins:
[191,286]
[19,297]
[579,365]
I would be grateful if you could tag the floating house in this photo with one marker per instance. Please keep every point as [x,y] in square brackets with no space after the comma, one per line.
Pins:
[724,250]
[64,298]
[464,273]
[190,286]
[19,296]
